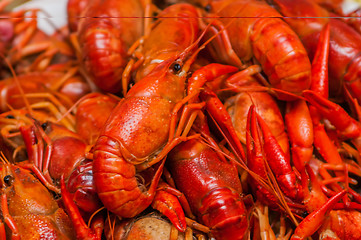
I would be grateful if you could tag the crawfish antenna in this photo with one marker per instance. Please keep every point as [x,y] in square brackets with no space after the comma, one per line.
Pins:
[17,83]
[194,45]
[3,158]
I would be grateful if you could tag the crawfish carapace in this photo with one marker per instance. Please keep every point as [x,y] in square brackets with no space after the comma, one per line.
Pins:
[139,132]
[176,28]
[136,131]
[32,208]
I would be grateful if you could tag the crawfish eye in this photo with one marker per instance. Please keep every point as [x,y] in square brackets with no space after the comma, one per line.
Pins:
[10,117]
[44,125]
[155,16]
[8,180]
[176,67]
[208,8]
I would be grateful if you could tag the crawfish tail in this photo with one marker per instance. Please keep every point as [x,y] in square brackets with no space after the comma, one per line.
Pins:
[115,180]
[261,33]
[211,187]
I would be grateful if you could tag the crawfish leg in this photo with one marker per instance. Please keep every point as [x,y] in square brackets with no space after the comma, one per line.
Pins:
[8,219]
[314,220]
[168,204]
[276,158]
[34,138]
[300,131]
[2,231]
[41,177]
[224,47]
[182,199]
[174,139]
[220,116]
[82,230]
[167,148]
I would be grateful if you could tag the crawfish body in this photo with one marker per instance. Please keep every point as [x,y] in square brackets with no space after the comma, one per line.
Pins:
[261,33]
[238,106]
[136,130]
[345,43]
[106,33]
[75,9]
[175,29]
[212,188]
[92,114]
[31,206]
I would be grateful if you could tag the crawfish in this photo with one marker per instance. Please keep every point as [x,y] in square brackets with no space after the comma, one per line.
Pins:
[43,86]
[106,32]
[345,43]
[140,131]
[212,188]
[261,33]
[28,208]
[52,151]
[91,114]
[238,105]
[57,151]
[136,130]
[163,41]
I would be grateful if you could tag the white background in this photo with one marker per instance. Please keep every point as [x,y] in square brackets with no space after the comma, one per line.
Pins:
[56,9]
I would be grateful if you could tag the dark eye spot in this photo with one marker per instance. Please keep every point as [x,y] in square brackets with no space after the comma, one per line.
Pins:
[176,67]
[304,214]
[208,8]
[44,125]
[155,16]
[10,117]
[8,180]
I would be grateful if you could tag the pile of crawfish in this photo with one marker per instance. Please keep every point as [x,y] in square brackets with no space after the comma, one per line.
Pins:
[206,119]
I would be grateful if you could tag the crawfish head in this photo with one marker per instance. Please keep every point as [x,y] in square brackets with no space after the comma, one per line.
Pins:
[25,190]
[28,202]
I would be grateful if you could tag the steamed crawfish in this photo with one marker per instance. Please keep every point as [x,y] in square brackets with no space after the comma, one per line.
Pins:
[53,151]
[260,32]
[139,130]
[211,186]
[238,106]
[58,152]
[105,34]
[28,208]
[345,43]
[43,86]
[174,30]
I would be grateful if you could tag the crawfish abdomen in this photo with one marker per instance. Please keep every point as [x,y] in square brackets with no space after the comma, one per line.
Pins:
[105,33]
[115,180]
[212,188]
[104,54]
[224,212]
[259,32]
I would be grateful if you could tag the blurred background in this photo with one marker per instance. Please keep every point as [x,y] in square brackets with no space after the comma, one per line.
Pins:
[54,12]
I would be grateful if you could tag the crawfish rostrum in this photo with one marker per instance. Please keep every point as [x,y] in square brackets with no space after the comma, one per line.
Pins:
[193,119]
